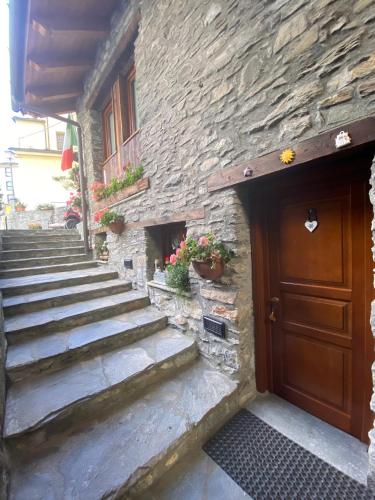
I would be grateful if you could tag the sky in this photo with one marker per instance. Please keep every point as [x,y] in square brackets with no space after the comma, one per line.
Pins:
[6,123]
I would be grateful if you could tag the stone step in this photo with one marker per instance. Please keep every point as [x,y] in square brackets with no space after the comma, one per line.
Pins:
[42,282]
[42,252]
[39,232]
[42,261]
[119,452]
[25,240]
[24,326]
[55,268]
[57,350]
[47,396]
[30,302]
[29,245]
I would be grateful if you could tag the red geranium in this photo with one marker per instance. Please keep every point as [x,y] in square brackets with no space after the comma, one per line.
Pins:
[100,214]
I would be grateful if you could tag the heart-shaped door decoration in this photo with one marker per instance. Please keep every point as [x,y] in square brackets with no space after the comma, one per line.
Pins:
[312,220]
[311,225]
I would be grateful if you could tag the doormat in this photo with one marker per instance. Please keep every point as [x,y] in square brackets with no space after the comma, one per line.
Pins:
[269,466]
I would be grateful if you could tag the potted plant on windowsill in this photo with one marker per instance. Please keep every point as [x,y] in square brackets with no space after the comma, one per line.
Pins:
[207,255]
[112,219]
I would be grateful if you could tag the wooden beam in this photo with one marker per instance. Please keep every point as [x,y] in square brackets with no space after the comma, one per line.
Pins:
[44,65]
[192,214]
[62,25]
[321,146]
[52,93]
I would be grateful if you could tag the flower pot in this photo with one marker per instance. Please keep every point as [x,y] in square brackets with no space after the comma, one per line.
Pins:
[20,209]
[209,269]
[117,227]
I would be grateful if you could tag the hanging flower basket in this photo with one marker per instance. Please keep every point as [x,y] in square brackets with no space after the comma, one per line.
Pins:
[211,269]
[111,219]
[117,227]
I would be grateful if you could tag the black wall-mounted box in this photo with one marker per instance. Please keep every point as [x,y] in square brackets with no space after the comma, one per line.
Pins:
[128,263]
[214,326]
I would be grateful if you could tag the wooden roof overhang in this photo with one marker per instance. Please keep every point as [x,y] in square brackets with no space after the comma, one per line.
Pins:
[53,45]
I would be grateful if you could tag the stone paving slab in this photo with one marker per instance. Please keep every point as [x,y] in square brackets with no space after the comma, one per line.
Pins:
[59,348]
[197,477]
[48,319]
[57,279]
[29,271]
[40,398]
[55,297]
[114,452]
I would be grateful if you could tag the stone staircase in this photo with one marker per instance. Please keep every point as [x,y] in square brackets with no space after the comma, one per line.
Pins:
[102,396]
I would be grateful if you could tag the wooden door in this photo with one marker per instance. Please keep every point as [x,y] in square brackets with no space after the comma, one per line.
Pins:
[321,345]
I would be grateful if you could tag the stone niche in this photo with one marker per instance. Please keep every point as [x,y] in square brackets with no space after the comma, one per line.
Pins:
[162,241]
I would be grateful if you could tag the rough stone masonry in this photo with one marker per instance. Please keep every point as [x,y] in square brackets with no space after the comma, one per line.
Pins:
[218,83]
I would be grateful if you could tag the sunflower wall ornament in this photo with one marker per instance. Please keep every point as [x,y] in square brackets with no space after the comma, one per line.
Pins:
[287,156]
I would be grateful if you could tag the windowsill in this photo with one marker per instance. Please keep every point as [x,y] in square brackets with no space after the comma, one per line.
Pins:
[166,288]
[120,196]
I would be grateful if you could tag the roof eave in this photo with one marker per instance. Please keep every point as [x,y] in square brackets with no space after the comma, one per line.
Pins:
[19,11]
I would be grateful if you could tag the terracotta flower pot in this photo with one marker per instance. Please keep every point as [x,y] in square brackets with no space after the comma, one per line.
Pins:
[117,227]
[20,209]
[206,270]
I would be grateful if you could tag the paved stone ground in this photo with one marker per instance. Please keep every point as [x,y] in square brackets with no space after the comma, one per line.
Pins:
[200,478]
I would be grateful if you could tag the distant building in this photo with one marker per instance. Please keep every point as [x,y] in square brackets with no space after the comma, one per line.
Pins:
[37,157]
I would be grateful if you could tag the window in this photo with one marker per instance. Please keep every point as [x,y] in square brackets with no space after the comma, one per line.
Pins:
[109,131]
[131,118]
[163,240]
[59,141]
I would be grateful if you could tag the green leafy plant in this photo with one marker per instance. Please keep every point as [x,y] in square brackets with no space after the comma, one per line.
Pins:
[207,248]
[45,206]
[178,276]
[106,217]
[132,174]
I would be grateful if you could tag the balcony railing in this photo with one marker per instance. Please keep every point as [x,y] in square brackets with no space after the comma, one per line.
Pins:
[129,154]
[130,150]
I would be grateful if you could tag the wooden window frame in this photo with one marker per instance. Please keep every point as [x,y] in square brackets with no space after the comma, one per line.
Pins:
[107,132]
[128,105]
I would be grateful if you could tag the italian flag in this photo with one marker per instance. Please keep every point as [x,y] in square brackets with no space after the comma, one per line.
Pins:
[70,140]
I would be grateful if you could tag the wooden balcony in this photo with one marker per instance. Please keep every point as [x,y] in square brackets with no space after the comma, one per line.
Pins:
[117,163]
[130,150]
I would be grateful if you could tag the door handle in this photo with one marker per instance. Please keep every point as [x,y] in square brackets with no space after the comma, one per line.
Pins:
[274,301]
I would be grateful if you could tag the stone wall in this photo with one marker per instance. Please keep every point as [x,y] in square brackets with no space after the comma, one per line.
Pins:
[219,83]
[21,220]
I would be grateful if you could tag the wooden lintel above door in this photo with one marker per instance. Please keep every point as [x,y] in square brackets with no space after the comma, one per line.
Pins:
[362,132]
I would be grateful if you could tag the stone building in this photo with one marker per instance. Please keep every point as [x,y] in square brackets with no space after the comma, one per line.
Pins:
[205,96]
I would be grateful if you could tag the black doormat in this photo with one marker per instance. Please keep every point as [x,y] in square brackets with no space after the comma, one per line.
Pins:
[269,466]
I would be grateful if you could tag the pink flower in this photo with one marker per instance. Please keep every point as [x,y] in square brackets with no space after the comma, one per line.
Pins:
[178,251]
[183,244]
[173,259]
[203,241]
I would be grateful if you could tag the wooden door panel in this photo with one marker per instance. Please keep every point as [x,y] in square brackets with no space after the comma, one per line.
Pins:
[317,369]
[319,278]
[317,312]
[303,255]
